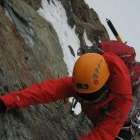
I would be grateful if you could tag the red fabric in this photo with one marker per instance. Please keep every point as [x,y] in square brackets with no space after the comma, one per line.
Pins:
[126,52]
[45,92]
[119,99]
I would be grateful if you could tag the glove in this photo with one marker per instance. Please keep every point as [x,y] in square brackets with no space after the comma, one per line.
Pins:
[3,107]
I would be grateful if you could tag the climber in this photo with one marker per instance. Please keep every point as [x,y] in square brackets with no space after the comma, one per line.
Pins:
[101,82]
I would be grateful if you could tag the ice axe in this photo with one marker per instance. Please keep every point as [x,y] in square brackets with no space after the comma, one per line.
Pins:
[114,31]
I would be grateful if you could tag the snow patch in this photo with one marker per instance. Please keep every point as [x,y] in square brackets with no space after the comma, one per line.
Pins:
[90,3]
[77,109]
[87,41]
[56,15]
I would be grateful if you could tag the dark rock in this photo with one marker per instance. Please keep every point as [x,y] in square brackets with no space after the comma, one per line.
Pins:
[2,3]
[40,37]
[36,4]
[85,19]
[14,70]
[71,50]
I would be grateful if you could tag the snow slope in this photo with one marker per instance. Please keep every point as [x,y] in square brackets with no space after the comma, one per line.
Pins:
[56,15]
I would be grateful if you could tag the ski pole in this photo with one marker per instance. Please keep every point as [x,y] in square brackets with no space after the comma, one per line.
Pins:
[114,31]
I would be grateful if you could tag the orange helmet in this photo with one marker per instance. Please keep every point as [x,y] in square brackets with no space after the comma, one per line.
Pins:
[90,73]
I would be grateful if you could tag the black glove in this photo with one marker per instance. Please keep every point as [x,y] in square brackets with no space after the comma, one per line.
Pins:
[2,107]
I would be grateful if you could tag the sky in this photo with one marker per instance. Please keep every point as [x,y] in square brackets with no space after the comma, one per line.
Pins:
[125,15]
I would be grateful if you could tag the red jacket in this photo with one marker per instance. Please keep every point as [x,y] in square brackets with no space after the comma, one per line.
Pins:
[119,100]
[125,52]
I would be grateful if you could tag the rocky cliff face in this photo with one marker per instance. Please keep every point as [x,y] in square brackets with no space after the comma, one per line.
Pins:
[30,52]
[85,19]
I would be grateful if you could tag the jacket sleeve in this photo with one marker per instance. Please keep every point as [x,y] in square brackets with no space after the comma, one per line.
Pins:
[120,106]
[45,92]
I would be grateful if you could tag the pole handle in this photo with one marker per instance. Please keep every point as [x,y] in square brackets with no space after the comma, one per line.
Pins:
[114,31]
